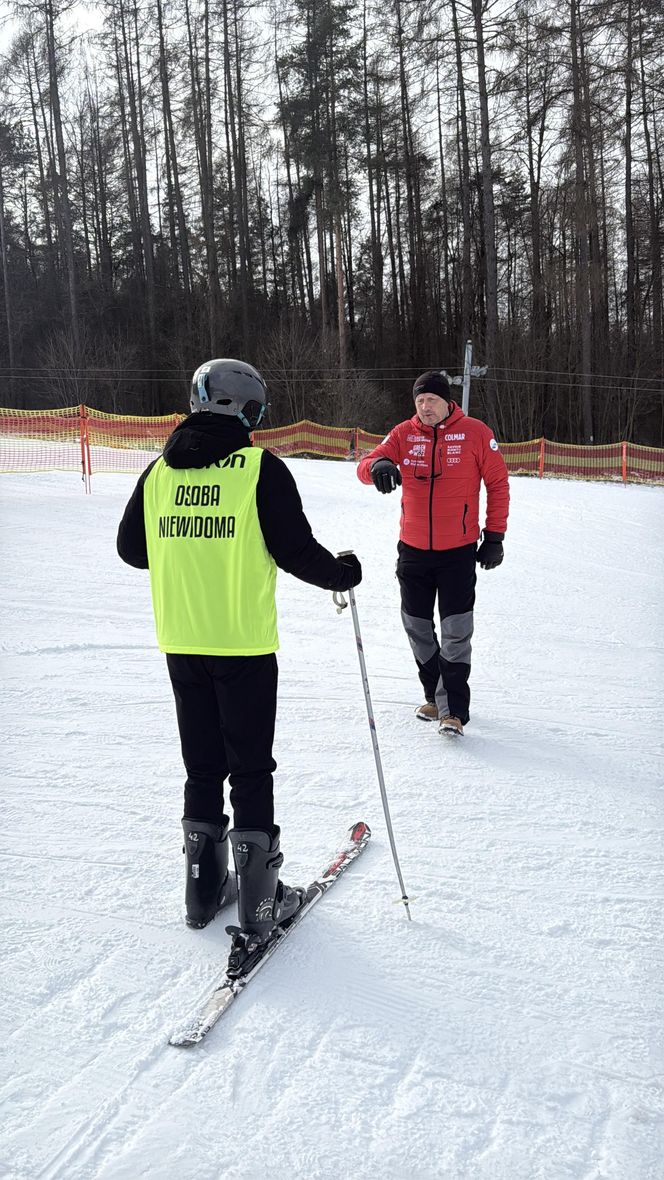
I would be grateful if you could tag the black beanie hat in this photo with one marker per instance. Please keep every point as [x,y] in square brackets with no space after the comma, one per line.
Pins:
[433,381]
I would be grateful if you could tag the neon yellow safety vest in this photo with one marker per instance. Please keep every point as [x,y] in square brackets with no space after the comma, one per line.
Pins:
[213,580]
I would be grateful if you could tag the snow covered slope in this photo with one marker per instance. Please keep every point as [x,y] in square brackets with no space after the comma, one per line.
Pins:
[511,1031]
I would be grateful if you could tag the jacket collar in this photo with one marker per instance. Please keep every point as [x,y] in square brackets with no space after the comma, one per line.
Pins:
[203,439]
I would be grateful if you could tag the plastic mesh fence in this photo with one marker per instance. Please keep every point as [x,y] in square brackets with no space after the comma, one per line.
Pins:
[308,438]
[78,438]
[125,444]
[610,461]
[366,442]
[522,458]
[645,464]
[41,440]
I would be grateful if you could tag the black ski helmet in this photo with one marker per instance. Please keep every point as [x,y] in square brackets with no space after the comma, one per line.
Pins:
[227,386]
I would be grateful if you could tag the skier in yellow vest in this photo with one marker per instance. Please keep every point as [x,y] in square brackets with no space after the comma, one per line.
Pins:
[211,519]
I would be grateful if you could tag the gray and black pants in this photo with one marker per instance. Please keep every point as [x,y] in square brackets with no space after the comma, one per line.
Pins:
[449,576]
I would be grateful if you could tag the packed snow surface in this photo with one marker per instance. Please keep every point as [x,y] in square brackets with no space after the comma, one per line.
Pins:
[511,1031]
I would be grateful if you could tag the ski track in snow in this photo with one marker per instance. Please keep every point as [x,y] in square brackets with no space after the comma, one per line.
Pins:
[511,1031]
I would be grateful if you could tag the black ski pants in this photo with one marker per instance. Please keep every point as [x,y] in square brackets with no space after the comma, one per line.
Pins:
[449,576]
[226,709]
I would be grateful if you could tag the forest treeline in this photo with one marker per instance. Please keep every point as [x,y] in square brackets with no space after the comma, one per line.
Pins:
[342,192]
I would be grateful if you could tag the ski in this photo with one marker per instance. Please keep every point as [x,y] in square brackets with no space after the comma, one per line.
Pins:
[227,991]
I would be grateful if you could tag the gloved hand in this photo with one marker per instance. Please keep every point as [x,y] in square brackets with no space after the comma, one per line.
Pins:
[352,574]
[386,475]
[490,553]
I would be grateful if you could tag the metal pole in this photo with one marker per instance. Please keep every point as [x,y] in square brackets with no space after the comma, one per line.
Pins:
[340,603]
[467,364]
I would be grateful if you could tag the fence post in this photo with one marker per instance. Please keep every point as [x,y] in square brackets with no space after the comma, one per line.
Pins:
[541,459]
[624,463]
[85,448]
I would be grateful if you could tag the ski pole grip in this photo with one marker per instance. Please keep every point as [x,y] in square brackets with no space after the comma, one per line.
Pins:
[337,597]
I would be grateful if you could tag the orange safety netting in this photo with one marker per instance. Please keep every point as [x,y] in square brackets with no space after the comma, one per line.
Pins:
[308,438]
[577,462]
[366,442]
[645,464]
[81,439]
[624,461]
[124,444]
[41,440]
[522,458]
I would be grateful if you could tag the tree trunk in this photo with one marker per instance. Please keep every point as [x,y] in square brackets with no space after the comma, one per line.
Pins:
[136,125]
[416,311]
[445,313]
[61,188]
[582,233]
[295,256]
[373,177]
[653,214]
[237,215]
[6,288]
[630,246]
[464,168]
[181,238]
[202,115]
[491,267]
[43,186]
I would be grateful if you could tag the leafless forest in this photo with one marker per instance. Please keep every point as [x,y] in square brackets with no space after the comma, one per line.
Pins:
[342,192]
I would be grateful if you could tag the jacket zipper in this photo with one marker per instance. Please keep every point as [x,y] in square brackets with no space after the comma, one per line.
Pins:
[433,468]
[463,522]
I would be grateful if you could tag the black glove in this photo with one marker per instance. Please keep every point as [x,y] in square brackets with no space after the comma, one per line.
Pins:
[386,475]
[351,574]
[490,553]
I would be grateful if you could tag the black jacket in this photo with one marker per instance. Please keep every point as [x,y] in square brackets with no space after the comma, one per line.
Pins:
[203,439]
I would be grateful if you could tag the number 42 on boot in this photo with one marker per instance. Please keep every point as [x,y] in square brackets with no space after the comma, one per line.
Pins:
[229,988]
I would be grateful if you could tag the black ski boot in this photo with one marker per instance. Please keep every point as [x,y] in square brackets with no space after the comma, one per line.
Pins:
[264,902]
[209,885]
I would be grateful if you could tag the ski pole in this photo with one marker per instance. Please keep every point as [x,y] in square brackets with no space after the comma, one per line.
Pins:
[340,603]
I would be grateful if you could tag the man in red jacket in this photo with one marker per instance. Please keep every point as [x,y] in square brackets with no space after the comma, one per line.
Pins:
[440,456]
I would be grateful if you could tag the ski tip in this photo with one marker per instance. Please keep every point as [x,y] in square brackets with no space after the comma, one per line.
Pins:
[183,1040]
[360,831]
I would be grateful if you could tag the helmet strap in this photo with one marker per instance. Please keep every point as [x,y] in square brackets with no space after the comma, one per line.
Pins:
[249,425]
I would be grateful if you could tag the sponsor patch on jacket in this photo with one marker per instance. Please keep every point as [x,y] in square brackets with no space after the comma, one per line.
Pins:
[455,437]
[493,444]
[417,438]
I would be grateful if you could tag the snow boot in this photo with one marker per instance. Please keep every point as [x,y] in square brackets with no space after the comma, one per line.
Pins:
[209,885]
[427,712]
[451,727]
[264,902]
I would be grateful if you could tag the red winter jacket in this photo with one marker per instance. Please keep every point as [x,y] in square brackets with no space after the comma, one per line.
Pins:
[441,468]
